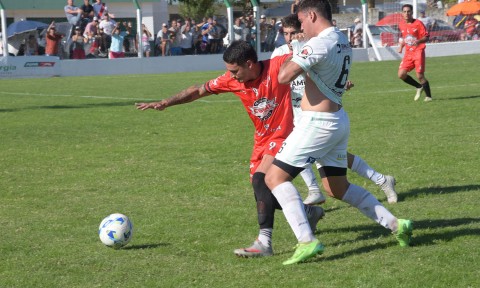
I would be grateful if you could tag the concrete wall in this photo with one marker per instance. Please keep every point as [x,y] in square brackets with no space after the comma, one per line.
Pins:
[42,66]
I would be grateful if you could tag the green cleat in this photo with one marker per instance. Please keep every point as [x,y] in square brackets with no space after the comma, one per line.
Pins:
[305,251]
[404,232]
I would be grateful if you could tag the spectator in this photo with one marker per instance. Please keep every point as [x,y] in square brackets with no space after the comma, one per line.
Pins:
[470,27]
[357,24]
[358,38]
[238,29]
[427,21]
[263,33]
[101,43]
[186,42]
[73,13]
[107,25]
[271,34]
[279,39]
[100,9]
[91,29]
[78,44]
[116,47]
[334,23]
[163,40]
[52,40]
[175,37]
[87,9]
[146,36]
[31,47]
[207,31]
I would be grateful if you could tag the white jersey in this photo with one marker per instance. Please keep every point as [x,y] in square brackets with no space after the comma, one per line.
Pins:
[327,59]
[297,86]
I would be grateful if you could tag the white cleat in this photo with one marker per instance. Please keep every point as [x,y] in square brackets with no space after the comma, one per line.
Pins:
[314,198]
[388,188]
[419,93]
[427,99]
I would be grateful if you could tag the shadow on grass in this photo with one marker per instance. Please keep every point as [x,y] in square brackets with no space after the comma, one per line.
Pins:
[436,191]
[81,106]
[458,98]
[146,246]
[422,240]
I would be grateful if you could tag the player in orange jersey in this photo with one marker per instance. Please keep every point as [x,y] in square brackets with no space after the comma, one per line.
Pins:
[414,37]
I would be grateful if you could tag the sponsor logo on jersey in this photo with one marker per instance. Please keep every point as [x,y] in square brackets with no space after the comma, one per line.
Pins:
[263,108]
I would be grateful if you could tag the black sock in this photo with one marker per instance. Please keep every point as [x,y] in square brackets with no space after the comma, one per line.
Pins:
[409,80]
[426,88]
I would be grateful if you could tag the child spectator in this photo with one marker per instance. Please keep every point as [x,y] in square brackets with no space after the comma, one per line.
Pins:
[78,44]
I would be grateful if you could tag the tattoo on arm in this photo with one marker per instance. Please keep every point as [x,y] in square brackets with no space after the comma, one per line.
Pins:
[190,94]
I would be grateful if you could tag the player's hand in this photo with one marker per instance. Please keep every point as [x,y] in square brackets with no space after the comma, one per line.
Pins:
[349,85]
[154,105]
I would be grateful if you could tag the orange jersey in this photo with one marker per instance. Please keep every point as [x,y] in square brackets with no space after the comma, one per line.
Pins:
[266,101]
[412,32]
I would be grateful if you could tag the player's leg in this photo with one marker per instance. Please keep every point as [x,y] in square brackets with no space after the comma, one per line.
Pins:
[337,184]
[420,71]
[386,182]
[407,65]
[287,195]
[315,196]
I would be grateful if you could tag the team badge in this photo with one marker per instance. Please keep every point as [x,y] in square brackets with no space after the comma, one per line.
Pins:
[305,52]
[263,108]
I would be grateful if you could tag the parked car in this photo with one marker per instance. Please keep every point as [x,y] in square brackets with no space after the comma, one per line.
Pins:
[444,32]
[384,35]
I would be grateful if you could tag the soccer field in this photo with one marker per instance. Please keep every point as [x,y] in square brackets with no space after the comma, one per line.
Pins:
[75,150]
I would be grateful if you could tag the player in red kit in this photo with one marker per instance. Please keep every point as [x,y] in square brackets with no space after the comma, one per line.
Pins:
[414,35]
[269,106]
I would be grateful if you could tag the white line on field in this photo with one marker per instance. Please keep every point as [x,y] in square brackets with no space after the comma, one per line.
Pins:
[104,97]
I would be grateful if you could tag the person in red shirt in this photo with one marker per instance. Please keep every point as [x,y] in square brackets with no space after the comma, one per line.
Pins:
[269,106]
[414,37]
[52,40]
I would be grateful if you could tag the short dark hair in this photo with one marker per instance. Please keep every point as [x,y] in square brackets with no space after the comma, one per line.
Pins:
[407,5]
[322,7]
[239,52]
[291,21]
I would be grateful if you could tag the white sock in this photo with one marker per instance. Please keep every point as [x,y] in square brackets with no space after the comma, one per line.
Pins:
[265,236]
[361,168]
[310,179]
[292,205]
[369,206]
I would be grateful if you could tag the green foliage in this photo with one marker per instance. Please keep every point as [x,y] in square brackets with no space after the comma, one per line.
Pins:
[71,154]
[197,9]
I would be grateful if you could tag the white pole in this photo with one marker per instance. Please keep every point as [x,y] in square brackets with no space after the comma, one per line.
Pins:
[139,33]
[365,24]
[4,30]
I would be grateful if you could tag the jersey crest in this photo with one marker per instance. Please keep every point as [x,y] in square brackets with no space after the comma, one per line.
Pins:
[263,108]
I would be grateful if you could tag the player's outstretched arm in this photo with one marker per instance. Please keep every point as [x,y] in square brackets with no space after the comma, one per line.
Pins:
[190,94]
[289,71]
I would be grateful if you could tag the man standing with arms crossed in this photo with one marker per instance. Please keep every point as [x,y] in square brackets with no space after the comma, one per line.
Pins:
[322,132]
[414,37]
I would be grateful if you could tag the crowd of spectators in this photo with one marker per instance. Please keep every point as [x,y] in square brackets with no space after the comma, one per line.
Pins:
[95,33]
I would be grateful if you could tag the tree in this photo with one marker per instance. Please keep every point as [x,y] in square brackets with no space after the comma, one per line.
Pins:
[197,9]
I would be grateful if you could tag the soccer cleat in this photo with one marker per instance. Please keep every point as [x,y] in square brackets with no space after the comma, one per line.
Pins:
[388,188]
[419,93]
[427,99]
[305,251]
[256,250]
[314,198]
[404,232]
[314,214]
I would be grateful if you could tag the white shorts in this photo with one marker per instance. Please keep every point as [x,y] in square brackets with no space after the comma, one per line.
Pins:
[318,136]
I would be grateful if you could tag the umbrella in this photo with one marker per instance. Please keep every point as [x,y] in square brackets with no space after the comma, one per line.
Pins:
[21,27]
[468,7]
[391,19]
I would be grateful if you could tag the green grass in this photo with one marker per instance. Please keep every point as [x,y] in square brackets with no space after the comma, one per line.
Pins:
[74,150]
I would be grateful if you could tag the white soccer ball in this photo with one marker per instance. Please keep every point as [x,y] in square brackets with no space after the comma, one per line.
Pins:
[115,230]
